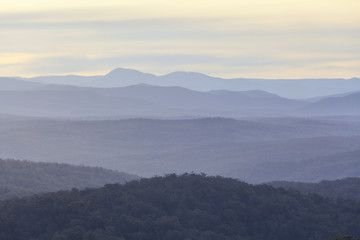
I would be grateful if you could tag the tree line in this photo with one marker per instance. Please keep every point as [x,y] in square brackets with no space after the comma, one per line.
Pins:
[174,207]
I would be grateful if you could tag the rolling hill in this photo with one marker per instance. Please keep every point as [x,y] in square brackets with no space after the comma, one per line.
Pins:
[179,207]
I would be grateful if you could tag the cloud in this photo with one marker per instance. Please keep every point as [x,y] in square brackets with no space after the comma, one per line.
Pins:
[247,41]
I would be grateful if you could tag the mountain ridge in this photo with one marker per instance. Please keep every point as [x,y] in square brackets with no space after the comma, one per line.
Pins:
[140,100]
[290,88]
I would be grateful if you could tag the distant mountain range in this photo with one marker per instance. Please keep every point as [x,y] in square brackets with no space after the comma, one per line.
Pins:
[18,97]
[182,122]
[289,88]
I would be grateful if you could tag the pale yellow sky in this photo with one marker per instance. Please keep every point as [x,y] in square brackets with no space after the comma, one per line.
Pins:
[232,38]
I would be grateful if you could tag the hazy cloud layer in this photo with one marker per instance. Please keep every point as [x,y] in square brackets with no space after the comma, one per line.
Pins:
[266,40]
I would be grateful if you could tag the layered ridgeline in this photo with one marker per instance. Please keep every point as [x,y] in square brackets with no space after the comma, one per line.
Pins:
[254,150]
[24,178]
[40,100]
[142,100]
[178,207]
[348,188]
[291,88]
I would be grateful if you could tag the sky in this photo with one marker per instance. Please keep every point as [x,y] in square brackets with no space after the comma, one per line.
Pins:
[227,38]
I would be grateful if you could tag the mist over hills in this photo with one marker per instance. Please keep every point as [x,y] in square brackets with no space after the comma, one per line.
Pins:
[147,125]
[254,134]
[141,100]
[289,88]
[241,149]
[144,100]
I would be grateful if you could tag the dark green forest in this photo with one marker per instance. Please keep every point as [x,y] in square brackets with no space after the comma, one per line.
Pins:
[23,178]
[348,188]
[175,207]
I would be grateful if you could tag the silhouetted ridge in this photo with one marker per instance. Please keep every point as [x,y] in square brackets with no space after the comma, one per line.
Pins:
[178,207]
[127,73]
[290,88]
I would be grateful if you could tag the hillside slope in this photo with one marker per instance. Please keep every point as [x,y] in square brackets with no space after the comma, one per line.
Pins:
[178,207]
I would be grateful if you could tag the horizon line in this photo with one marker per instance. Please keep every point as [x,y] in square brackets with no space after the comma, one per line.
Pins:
[104,73]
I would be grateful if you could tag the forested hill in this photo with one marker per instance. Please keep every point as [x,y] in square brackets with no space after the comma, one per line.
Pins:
[22,178]
[347,188]
[178,207]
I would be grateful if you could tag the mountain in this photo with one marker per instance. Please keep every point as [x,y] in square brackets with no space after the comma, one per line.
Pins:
[127,77]
[142,100]
[250,102]
[24,178]
[147,147]
[179,207]
[289,88]
[341,105]
[347,188]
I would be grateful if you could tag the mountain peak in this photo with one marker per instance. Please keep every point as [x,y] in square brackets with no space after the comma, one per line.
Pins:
[127,72]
